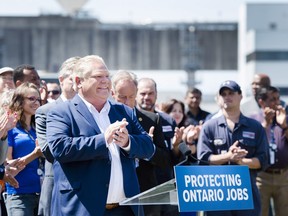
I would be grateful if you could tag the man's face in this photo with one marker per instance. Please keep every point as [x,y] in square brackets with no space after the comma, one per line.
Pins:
[125,92]
[259,81]
[67,86]
[6,81]
[276,97]
[31,76]
[273,99]
[231,99]
[193,100]
[96,85]
[53,91]
[146,95]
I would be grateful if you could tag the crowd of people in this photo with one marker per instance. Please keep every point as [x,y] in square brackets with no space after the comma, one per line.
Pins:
[83,145]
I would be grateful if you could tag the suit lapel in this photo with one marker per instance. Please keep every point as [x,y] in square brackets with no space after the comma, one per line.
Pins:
[81,107]
[113,115]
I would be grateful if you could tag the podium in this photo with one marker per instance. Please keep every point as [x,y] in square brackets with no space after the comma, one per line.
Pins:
[163,194]
[201,188]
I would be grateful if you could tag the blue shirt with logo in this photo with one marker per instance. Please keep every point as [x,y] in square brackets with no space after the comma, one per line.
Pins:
[216,138]
[23,143]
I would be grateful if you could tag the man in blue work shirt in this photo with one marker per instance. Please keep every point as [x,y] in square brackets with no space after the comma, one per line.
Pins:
[234,139]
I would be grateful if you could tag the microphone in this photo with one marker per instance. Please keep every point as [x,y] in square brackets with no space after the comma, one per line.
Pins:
[183,148]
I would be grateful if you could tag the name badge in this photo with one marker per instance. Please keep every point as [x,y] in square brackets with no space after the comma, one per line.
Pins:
[167,128]
[218,142]
[248,134]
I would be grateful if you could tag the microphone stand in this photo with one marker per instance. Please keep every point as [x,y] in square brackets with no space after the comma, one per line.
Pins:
[185,151]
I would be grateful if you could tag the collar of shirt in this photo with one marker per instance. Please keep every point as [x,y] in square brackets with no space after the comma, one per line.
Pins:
[63,98]
[102,118]
[242,120]
[90,107]
[115,192]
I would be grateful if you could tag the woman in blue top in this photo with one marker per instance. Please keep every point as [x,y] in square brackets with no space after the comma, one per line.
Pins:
[23,201]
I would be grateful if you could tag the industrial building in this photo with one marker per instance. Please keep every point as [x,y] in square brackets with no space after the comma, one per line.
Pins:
[257,43]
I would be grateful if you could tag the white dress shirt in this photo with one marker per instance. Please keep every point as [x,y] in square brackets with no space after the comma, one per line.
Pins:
[116,189]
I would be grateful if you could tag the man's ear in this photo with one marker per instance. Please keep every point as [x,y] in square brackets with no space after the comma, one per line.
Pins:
[60,78]
[18,83]
[261,103]
[77,81]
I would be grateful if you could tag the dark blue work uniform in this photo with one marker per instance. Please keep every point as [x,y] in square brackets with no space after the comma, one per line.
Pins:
[216,138]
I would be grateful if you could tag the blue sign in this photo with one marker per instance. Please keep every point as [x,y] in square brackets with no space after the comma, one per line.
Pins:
[209,188]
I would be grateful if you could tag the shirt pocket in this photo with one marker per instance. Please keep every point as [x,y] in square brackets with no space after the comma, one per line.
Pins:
[220,145]
[66,186]
[249,145]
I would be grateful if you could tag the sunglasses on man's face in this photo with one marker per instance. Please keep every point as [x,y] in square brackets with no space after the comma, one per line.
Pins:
[54,92]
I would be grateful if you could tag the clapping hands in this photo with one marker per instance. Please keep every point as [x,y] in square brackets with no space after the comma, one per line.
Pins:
[8,120]
[118,133]
[12,168]
[236,153]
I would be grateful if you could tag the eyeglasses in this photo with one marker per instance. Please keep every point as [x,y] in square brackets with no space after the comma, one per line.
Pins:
[34,99]
[54,92]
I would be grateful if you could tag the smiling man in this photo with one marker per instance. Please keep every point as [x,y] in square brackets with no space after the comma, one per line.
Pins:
[95,142]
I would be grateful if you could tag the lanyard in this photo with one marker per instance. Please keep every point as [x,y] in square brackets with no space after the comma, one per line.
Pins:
[272,136]
[40,160]
[30,136]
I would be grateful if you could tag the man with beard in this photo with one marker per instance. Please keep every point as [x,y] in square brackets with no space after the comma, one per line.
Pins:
[195,115]
[146,100]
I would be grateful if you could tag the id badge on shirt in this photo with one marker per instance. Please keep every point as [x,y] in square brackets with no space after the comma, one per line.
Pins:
[272,152]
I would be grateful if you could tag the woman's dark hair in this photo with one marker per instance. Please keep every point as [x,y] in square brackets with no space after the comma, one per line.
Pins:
[168,107]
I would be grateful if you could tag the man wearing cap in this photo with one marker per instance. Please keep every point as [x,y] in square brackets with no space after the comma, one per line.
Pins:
[240,141]
[6,79]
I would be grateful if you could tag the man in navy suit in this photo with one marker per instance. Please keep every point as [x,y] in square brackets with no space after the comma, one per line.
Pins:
[146,100]
[95,143]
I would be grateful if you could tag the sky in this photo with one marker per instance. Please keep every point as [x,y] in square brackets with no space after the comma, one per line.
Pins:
[138,11]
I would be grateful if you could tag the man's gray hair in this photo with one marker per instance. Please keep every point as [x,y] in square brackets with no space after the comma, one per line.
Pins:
[123,75]
[83,66]
[68,66]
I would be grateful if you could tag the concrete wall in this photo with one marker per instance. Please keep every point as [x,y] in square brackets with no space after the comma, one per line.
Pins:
[46,41]
[263,47]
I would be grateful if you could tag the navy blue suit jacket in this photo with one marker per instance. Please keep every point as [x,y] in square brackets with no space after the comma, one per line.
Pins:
[82,165]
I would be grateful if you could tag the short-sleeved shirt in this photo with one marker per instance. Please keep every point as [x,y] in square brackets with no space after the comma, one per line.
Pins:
[216,138]
[23,144]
